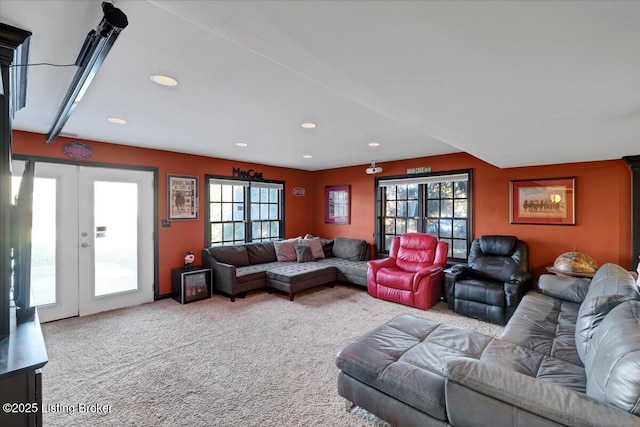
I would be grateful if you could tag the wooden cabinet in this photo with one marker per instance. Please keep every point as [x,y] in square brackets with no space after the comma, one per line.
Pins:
[20,378]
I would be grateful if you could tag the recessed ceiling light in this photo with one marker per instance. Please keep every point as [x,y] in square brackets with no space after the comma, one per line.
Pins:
[163,80]
[309,125]
[307,156]
[117,120]
[242,144]
[374,144]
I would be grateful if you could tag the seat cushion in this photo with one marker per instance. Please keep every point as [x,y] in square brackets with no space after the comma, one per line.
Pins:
[395,278]
[349,271]
[485,292]
[295,273]
[545,325]
[405,358]
[255,272]
[536,365]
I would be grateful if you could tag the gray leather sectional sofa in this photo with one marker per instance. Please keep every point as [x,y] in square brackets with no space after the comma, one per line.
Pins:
[238,269]
[570,355]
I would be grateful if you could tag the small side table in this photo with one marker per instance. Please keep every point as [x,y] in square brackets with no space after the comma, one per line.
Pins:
[191,285]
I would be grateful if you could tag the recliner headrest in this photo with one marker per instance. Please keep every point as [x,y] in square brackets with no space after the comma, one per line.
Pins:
[498,245]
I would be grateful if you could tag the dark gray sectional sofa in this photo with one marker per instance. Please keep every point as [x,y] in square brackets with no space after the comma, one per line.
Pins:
[570,355]
[238,269]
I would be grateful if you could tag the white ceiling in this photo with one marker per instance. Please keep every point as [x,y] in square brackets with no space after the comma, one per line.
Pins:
[514,83]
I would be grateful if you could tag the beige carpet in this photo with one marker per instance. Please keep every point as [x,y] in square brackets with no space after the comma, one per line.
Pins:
[260,361]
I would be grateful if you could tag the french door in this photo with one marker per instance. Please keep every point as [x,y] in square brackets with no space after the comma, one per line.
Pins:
[92,239]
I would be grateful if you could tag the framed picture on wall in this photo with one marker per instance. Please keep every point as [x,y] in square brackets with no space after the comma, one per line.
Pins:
[182,197]
[337,204]
[549,201]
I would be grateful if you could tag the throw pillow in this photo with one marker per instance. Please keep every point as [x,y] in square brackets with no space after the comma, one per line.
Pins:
[285,250]
[316,247]
[303,253]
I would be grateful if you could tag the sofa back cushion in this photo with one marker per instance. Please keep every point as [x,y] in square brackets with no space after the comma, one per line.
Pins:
[261,252]
[498,257]
[414,251]
[612,365]
[235,255]
[351,249]
[610,286]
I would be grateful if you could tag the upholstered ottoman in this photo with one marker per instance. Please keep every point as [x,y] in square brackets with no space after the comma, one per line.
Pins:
[297,277]
[396,370]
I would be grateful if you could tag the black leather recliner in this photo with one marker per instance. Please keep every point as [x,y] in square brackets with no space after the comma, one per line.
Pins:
[494,280]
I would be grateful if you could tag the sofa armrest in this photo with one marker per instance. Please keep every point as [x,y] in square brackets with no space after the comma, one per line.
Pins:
[207,259]
[520,277]
[543,398]
[516,287]
[377,264]
[451,276]
[567,288]
[224,275]
[426,274]
[460,269]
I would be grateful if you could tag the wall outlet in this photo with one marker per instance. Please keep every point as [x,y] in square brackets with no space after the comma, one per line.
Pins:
[166,223]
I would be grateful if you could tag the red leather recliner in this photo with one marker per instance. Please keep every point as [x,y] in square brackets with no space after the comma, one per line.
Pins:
[413,273]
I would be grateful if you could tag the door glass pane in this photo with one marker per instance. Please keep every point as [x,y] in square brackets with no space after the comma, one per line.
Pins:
[116,241]
[43,239]
[43,249]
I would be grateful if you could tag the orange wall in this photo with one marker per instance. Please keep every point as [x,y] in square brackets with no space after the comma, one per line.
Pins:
[603,205]
[603,200]
[182,235]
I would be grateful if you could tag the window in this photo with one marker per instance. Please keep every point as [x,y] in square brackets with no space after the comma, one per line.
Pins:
[230,222]
[437,204]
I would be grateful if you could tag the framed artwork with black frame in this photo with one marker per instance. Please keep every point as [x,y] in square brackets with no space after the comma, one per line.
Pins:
[182,197]
[337,204]
[548,201]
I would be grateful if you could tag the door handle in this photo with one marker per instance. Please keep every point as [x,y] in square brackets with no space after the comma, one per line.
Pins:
[85,245]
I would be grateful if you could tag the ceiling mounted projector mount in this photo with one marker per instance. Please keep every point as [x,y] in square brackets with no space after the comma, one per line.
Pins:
[94,50]
[373,169]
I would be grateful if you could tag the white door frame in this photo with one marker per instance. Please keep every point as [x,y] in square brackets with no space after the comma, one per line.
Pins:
[72,299]
[88,302]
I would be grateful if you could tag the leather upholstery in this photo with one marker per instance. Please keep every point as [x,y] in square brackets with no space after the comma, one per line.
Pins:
[405,358]
[413,273]
[532,375]
[494,280]
[613,359]
[610,286]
